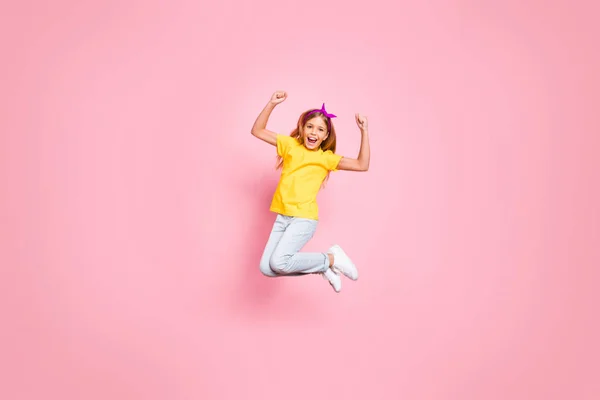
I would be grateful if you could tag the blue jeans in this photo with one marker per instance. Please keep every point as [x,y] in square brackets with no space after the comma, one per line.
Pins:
[282,253]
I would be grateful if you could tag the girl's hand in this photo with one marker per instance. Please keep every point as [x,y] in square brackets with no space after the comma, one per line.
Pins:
[278,97]
[362,122]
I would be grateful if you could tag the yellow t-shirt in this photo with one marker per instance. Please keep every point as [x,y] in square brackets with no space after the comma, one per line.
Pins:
[301,177]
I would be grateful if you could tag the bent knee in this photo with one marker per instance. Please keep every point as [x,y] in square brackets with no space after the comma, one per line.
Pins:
[266,270]
[279,264]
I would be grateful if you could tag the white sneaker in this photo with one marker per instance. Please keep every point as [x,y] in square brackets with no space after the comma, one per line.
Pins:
[342,263]
[334,279]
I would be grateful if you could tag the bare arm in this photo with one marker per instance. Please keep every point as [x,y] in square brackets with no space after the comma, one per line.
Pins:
[364,155]
[259,129]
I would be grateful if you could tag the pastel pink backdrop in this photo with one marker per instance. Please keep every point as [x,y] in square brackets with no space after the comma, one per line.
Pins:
[134,203]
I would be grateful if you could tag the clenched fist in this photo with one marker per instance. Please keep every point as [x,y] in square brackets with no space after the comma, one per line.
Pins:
[278,97]
[362,122]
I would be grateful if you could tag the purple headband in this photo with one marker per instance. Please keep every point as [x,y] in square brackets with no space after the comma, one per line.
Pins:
[322,110]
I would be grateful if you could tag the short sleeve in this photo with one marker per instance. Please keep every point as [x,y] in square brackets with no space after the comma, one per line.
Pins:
[284,143]
[332,160]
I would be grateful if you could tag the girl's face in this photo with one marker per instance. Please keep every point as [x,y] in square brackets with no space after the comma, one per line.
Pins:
[314,132]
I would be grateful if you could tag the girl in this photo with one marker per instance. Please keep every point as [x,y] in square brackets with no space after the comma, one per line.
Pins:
[307,157]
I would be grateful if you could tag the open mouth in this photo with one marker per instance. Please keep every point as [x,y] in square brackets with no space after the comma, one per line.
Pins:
[311,140]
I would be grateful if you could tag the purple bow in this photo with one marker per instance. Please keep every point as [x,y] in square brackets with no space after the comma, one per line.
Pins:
[323,111]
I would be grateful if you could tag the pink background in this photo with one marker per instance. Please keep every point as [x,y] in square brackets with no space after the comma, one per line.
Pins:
[134,203]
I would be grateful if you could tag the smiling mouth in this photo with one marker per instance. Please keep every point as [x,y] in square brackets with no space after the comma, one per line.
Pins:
[311,141]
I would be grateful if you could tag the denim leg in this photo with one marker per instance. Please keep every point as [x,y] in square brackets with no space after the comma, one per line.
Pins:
[286,258]
[276,234]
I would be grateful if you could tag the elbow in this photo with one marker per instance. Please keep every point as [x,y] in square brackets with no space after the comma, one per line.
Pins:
[256,132]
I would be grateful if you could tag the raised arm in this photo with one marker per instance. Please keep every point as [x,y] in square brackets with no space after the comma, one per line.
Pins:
[362,162]
[259,129]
